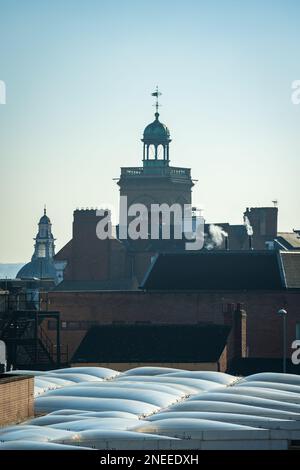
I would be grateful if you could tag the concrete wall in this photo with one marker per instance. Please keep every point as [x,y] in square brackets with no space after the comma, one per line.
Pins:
[16,398]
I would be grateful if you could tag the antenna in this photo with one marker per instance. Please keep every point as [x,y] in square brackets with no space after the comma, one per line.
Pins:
[156,93]
[275,202]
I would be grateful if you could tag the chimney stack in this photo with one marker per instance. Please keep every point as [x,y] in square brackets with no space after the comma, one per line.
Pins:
[240,334]
[250,242]
[226,243]
[236,317]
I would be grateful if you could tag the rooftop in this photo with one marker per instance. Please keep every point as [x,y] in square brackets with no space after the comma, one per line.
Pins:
[159,408]
[288,240]
[153,343]
[224,270]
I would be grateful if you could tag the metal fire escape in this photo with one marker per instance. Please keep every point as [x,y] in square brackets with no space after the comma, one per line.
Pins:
[28,345]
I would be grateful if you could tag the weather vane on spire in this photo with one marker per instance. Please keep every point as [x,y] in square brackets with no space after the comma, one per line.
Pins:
[45,209]
[156,93]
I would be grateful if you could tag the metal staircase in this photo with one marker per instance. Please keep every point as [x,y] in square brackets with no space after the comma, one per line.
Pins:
[28,345]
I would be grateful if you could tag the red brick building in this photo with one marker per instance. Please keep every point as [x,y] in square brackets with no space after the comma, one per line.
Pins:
[177,296]
[102,277]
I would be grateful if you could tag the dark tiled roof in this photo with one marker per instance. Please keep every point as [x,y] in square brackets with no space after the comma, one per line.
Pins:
[153,343]
[225,270]
[291,268]
[65,252]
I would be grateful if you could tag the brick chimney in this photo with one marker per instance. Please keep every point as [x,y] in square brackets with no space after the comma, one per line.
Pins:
[236,317]
[264,221]
[240,331]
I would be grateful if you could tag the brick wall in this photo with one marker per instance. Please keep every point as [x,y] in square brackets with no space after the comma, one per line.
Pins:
[16,399]
[264,326]
[123,366]
[88,257]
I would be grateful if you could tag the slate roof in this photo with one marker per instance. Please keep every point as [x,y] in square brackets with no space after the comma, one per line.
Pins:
[291,268]
[153,343]
[289,240]
[211,270]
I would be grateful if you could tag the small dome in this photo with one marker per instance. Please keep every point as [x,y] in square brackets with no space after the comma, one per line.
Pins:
[44,220]
[156,132]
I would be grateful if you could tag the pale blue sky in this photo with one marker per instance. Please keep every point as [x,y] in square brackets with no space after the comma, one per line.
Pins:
[79,74]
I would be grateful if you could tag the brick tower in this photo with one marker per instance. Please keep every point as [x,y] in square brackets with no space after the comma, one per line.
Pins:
[156,182]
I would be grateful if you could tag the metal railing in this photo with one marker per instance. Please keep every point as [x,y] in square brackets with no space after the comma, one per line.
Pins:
[128,172]
[29,301]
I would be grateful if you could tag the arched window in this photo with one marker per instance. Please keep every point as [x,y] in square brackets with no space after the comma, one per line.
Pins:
[41,250]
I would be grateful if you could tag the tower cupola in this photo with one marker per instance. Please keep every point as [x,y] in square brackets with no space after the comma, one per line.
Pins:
[156,140]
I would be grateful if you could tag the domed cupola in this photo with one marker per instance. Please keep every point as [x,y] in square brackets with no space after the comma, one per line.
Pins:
[156,139]
[45,231]
[44,219]
[156,132]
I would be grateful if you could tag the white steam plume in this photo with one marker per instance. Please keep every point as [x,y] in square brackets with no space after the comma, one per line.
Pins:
[217,234]
[248,226]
